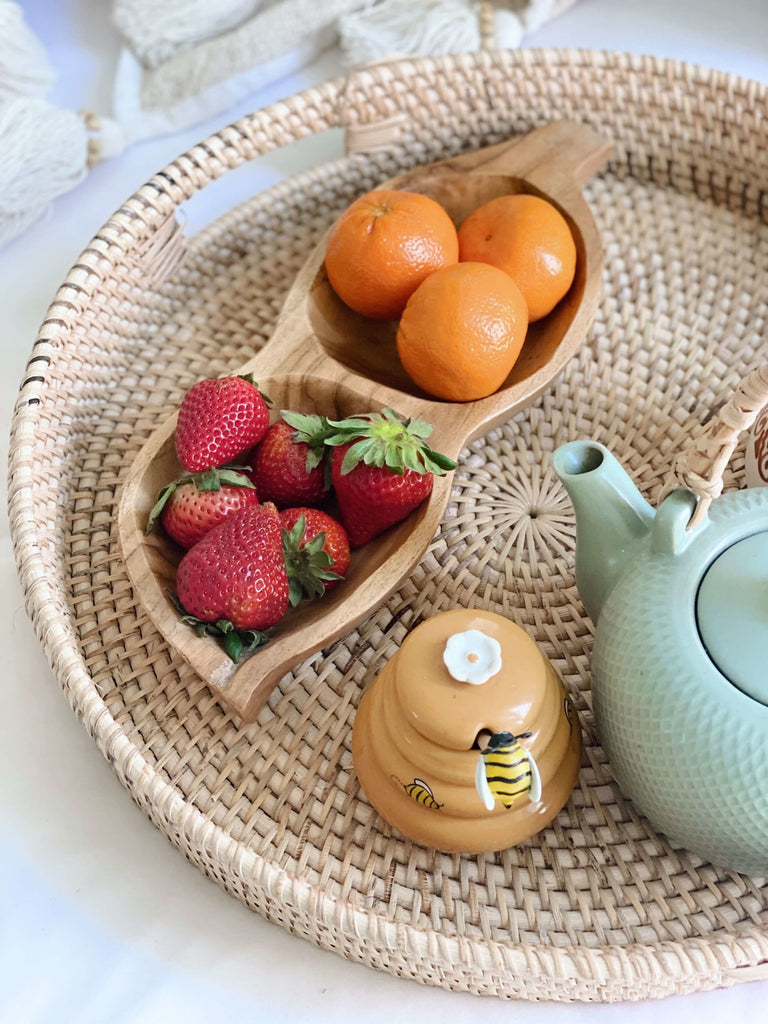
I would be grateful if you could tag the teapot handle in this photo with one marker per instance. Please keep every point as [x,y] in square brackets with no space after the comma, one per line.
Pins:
[700,467]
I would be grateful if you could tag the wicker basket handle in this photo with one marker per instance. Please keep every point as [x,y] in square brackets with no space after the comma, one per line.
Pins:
[701,466]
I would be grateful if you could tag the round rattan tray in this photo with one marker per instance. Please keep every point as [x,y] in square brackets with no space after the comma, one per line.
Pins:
[597,906]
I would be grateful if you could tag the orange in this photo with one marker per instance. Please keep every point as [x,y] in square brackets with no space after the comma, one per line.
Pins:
[462,330]
[383,246]
[528,238]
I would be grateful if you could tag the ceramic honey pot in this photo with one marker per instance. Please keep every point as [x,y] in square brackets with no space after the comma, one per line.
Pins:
[680,600]
[466,740]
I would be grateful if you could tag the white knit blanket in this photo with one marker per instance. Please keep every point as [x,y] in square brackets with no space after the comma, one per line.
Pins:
[185,60]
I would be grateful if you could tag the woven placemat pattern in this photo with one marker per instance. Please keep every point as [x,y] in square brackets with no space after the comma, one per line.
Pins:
[597,906]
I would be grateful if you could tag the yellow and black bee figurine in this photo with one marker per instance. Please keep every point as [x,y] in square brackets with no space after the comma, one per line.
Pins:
[420,791]
[506,771]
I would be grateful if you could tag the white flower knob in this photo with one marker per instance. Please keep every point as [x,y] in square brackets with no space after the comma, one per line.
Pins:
[472,656]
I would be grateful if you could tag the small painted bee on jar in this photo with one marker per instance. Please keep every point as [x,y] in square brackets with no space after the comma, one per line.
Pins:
[421,792]
[466,741]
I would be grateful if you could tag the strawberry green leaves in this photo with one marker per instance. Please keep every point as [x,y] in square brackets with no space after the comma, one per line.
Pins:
[310,430]
[308,564]
[387,440]
[235,642]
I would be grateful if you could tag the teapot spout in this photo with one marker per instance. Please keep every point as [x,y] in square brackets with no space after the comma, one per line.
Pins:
[612,518]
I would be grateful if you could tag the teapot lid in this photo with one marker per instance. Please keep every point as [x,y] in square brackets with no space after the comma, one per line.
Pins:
[732,614]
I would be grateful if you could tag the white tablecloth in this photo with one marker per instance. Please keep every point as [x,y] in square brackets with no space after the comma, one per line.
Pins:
[101,919]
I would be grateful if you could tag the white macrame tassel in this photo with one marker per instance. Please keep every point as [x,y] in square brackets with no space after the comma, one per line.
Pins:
[404,27]
[45,150]
[44,154]
[24,66]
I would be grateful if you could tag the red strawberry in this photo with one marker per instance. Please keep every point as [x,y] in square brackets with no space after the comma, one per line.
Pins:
[188,508]
[218,420]
[289,465]
[381,469]
[316,549]
[234,579]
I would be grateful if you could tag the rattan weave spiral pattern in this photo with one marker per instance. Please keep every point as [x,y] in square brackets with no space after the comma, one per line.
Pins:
[597,906]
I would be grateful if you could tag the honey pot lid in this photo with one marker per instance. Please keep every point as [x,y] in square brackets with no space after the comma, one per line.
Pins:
[732,614]
[506,677]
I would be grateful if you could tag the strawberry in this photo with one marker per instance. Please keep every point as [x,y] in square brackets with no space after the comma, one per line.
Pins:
[316,549]
[233,583]
[289,465]
[382,470]
[218,420]
[191,506]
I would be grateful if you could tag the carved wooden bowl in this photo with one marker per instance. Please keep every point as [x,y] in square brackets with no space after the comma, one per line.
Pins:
[325,358]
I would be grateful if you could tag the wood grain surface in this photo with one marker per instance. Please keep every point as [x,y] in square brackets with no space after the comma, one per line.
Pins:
[325,358]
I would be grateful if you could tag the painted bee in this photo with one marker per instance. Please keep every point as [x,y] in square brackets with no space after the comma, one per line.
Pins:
[506,771]
[420,791]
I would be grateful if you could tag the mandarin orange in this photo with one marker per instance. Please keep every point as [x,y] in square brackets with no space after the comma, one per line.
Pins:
[383,246]
[529,239]
[462,330]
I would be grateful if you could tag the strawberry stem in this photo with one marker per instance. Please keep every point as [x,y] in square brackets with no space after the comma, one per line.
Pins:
[235,642]
[388,440]
[310,430]
[308,567]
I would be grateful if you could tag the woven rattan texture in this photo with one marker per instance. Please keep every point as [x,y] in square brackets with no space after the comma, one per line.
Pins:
[596,907]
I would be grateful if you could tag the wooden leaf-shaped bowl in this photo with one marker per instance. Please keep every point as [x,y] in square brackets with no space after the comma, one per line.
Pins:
[325,358]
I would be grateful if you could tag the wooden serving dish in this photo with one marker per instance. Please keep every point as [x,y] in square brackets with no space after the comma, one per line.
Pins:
[325,358]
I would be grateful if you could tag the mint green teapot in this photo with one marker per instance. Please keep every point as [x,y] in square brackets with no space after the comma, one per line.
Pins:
[679,597]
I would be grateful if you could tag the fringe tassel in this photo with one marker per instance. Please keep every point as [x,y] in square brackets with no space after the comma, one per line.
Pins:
[24,66]
[45,151]
[44,154]
[403,27]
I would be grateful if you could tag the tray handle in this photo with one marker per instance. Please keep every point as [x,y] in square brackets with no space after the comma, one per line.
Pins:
[701,466]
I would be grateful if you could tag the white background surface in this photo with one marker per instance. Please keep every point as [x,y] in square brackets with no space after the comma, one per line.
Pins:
[101,919]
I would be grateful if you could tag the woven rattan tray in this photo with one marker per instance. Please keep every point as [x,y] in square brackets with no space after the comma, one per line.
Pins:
[596,907]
